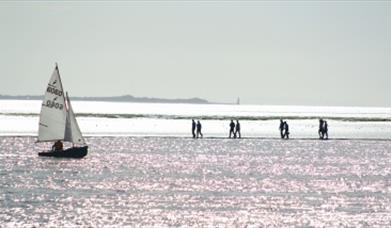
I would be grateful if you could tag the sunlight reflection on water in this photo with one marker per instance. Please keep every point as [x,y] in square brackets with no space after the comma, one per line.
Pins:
[181,181]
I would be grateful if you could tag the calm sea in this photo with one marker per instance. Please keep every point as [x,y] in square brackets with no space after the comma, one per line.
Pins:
[143,169]
[177,181]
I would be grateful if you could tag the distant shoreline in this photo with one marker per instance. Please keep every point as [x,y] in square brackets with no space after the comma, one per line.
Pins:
[124,98]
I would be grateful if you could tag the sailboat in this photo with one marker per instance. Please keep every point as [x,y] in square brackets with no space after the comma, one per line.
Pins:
[57,121]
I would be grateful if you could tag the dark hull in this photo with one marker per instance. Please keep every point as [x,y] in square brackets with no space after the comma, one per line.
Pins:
[74,152]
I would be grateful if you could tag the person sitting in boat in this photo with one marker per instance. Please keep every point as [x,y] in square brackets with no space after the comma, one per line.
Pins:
[57,146]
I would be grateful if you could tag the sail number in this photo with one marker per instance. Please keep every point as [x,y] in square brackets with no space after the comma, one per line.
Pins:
[54,91]
[53,104]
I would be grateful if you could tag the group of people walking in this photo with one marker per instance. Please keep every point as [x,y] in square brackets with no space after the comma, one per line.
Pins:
[196,127]
[234,129]
[284,129]
[323,129]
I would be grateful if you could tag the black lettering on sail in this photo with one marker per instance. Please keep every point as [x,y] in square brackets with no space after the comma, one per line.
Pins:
[53,104]
[54,91]
[53,114]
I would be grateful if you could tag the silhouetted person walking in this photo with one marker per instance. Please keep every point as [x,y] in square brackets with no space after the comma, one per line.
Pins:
[325,130]
[193,128]
[199,126]
[231,129]
[286,130]
[281,128]
[320,131]
[237,130]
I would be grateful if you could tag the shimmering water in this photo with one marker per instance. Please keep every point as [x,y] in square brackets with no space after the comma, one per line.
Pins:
[21,117]
[180,181]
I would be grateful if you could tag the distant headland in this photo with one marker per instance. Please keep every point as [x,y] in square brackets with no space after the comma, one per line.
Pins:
[125,98]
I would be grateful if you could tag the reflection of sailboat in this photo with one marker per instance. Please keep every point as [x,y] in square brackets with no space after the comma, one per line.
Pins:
[238,101]
[57,121]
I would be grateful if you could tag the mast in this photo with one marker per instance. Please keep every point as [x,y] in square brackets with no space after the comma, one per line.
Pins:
[59,77]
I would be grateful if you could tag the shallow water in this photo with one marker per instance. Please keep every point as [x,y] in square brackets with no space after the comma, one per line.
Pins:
[21,117]
[180,181]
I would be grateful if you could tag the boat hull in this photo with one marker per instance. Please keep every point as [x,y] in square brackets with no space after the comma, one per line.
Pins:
[74,152]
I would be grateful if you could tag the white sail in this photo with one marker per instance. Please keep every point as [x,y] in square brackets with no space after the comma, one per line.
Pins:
[72,130]
[53,112]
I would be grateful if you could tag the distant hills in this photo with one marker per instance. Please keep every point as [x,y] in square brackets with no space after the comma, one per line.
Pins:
[125,98]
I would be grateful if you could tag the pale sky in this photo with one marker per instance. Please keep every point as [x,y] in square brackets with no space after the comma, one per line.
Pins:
[265,52]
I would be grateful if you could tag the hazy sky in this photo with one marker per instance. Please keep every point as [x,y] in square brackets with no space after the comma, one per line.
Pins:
[265,52]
